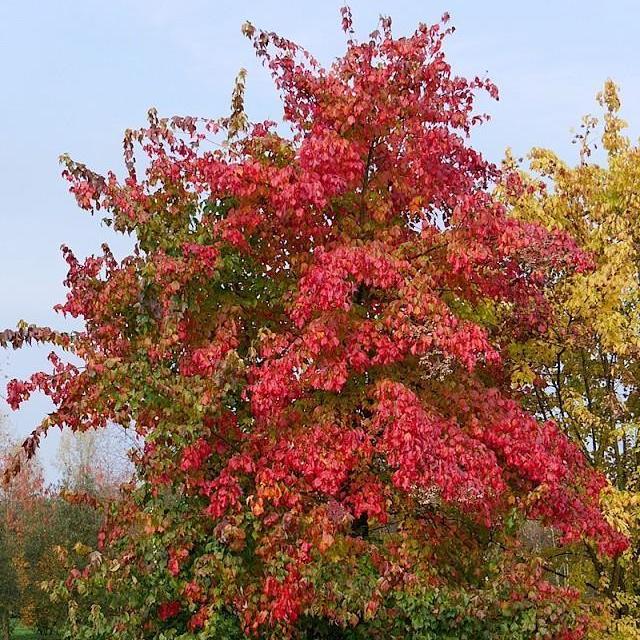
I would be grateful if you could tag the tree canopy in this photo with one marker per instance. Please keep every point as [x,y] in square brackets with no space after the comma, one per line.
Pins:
[315,337]
[583,373]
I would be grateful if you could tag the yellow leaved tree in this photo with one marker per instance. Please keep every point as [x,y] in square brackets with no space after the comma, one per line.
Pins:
[585,372]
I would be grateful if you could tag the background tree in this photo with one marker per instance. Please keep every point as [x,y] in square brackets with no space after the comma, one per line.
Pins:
[8,579]
[56,538]
[43,537]
[584,371]
[17,502]
[313,336]
[95,461]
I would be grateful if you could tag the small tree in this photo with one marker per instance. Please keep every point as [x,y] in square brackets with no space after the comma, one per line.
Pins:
[42,538]
[16,502]
[312,336]
[8,581]
[56,538]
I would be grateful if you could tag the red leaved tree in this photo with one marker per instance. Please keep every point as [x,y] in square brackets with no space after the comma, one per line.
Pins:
[311,337]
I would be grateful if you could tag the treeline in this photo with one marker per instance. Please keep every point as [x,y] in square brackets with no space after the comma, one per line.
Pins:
[49,532]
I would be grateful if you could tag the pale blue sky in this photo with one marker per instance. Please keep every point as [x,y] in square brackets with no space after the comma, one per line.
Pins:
[76,73]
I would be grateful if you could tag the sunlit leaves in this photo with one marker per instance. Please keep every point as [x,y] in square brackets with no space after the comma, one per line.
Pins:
[313,336]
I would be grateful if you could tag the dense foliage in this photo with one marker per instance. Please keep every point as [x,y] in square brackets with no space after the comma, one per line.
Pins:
[584,372]
[14,501]
[314,337]
[43,535]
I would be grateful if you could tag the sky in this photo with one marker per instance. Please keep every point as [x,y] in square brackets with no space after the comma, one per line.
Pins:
[76,73]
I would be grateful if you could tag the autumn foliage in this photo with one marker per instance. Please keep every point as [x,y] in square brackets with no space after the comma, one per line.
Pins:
[313,338]
[584,371]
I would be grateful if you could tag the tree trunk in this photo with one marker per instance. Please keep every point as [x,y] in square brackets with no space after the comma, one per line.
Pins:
[5,632]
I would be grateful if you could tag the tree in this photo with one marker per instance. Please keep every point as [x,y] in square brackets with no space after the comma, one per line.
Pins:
[313,338]
[94,461]
[42,538]
[16,502]
[584,371]
[8,580]
[56,536]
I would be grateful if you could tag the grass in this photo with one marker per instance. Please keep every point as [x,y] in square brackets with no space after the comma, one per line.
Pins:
[23,633]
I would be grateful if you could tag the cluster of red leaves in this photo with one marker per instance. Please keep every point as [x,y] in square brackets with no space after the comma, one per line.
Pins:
[299,334]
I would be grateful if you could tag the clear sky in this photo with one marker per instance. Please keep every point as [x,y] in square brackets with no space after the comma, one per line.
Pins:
[76,73]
